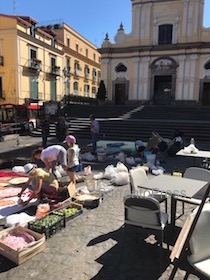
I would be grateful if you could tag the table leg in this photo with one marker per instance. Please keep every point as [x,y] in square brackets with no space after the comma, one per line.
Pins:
[173,210]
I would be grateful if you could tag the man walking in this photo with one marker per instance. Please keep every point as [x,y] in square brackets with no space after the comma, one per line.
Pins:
[45,126]
[94,128]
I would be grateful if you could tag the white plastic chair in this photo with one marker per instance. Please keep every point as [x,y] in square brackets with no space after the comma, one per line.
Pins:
[144,212]
[199,247]
[139,176]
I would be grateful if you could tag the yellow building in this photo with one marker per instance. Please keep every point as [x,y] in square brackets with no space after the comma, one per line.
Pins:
[82,63]
[44,62]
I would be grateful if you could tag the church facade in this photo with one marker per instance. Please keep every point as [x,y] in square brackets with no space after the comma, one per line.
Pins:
[165,60]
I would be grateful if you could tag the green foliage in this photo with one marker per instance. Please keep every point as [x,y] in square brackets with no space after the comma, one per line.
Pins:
[101,94]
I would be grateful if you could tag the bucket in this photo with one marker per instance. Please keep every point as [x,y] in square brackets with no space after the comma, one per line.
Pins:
[151,158]
[42,210]
[80,167]
[101,156]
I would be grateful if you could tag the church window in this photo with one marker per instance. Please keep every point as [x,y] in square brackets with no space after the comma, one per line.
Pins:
[121,68]
[165,34]
[207,65]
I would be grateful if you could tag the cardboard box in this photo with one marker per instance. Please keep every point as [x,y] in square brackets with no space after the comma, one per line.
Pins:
[91,200]
[21,255]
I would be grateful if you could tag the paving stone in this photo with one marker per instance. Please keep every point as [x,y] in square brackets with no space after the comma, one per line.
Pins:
[92,246]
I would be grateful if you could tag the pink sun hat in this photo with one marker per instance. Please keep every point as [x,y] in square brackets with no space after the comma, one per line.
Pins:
[70,139]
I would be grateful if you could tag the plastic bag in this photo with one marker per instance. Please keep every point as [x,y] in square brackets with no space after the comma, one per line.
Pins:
[103,187]
[62,172]
[82,190]
[87,170]
[21,219]
[110,171]
[130,161]
[88,157]
[120,179]
[18,169]
[98,176]
[121,167]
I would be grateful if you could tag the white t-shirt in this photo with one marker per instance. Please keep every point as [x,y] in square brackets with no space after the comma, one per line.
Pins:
[75,149]
[51,153]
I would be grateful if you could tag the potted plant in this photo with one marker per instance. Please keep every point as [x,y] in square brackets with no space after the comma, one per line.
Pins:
[101,94]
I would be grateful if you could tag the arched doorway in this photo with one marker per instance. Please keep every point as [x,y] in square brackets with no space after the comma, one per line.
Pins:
[120,86]
[205,86]
[163,80]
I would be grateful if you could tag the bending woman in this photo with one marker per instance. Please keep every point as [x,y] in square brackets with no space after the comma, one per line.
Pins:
[45,185]
[52,156]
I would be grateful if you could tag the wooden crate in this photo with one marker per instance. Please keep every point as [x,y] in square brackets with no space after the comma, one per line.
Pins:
[26,253]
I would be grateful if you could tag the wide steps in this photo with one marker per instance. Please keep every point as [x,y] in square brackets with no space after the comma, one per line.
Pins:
[131,130]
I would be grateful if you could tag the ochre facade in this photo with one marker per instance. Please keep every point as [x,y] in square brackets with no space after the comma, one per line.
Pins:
[45,62]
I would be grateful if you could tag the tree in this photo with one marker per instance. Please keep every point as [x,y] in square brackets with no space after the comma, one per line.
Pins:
[101,94]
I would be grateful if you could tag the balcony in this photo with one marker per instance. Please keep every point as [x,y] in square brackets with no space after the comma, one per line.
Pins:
[1,61]
[77,73]
[66,71]
[35,64]
[55,70]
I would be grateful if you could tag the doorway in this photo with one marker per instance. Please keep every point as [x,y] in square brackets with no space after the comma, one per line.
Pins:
[162,90]
[120,94]
[206,94]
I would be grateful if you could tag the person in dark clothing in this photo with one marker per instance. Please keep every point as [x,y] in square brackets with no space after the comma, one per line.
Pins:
[61,129]
[45,126]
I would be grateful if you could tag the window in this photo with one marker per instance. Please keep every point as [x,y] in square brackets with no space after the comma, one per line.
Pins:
[94,74]
[94,90]
[121,68]
[32,53]
[77,66]
[67,68]
[165,34]
[87,69]
[77,47]
[68,62]
[86,52]
[68,87]
[1,88]
[207,65]
[76,86]
[86,89]
[53,90]
[33,61]
[53,64]
[33,84]
[94,57]
[68,42]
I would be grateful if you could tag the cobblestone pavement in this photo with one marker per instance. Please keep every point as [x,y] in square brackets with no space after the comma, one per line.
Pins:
[94,245]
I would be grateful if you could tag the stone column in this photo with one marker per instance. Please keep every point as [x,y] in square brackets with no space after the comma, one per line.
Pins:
[180,79]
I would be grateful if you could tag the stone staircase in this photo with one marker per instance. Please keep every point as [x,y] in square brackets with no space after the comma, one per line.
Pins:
[128,123]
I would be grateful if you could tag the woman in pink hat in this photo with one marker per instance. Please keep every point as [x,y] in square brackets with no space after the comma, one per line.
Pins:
[72,157]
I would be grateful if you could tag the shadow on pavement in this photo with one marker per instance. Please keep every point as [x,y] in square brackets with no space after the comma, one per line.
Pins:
[131,258]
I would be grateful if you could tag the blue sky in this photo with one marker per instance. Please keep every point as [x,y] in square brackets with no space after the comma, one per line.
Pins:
[92,19]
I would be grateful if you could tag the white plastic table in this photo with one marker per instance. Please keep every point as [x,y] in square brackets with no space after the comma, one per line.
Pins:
[174,186]
[199,154]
